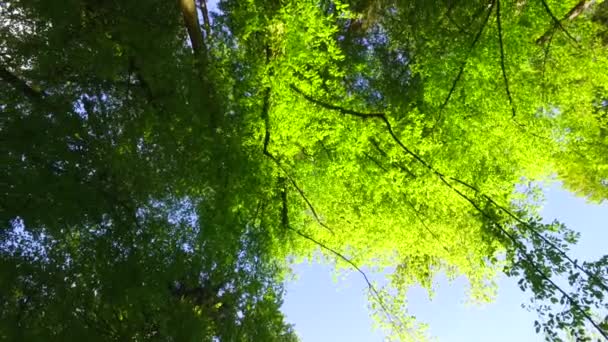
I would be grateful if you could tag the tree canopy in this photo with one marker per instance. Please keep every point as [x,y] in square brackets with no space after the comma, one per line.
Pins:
[162,164]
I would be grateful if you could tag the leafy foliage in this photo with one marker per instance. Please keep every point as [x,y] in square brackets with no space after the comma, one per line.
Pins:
[160,168]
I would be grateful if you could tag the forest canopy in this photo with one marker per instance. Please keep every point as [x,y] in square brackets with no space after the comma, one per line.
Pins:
[163,162]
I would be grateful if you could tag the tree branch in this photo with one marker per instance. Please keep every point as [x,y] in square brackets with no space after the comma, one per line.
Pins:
[206,21]
[267,153]
[383,153]
[522,249]
[502,59]
[329,156]
[573,13]
[21,85]
[336,108]
[188,9]
[448,14]
[544,67]
[428,229]
[463,66]
[370,286]
[265,115]
[284,207]
[375,162]
[535,232]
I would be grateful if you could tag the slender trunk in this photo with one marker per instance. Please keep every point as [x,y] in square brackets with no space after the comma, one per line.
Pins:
[190,14]
[206,21]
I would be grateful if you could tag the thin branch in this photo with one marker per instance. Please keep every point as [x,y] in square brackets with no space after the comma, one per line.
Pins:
[464,63]
[377,146]
[523,128]
[448,14]
[453,22]
[535,232]
[502,59]
[206,22]
[378,115]
[300,191]
[267,153]
[475,15]
[428,229]
[21,85]
[336,108]
[462,67]
[326,150]
[284,207]
[521,249]
[578,9]
[557,24]
[383,153]
[38,97]
[547,50]
[370,286]
[547,35]
[375,162]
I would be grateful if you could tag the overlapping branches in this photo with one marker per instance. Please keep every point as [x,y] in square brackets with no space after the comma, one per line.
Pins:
[505,78]
[373,290]
[267,153]
[557,23]
[502,59]
[466,59]
[502,229]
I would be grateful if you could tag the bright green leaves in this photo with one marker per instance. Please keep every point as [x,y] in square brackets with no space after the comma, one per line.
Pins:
[450,106]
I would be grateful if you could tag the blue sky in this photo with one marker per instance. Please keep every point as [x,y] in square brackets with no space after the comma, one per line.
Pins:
[327,311]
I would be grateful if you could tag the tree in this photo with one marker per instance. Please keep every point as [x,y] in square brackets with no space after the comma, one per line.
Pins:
[115,150]
[161,167]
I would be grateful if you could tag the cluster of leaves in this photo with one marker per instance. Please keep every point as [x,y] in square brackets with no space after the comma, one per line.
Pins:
[160,167]
[115,223]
